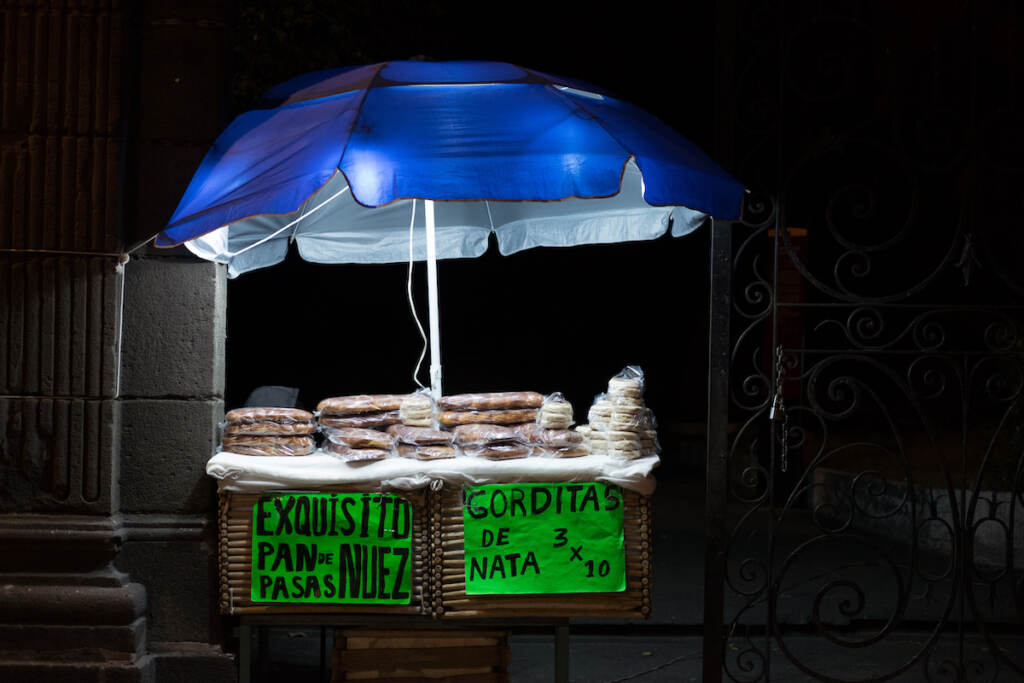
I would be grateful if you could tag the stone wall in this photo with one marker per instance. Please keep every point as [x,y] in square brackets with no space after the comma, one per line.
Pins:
[111,373]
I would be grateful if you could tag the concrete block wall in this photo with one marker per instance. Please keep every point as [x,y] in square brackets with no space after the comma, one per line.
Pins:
[111,373]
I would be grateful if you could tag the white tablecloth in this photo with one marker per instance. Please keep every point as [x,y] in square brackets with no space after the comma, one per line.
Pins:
[250,473]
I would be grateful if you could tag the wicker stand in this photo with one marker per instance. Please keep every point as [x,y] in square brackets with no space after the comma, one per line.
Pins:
[235,555]
[448,579]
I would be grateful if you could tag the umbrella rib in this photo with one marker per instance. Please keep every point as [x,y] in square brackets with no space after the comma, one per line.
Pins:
[359,112]
[290,223]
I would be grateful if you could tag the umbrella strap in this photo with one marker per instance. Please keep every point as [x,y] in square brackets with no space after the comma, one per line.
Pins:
[412,304]
[285,227]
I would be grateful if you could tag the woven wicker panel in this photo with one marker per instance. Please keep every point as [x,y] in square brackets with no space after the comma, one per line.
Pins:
[235,553]
[429,655]
[449,578]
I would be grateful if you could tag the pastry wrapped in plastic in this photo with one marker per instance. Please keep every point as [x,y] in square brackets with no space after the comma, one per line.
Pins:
[501,400]
[536,435]
[555,412]
[360,404]
[420,436]
[600,413]
[499,451]
[364,421]
[417,410]
[355,456]
[451,418]
[268,422]
[354,437]
[268,445]
[426,452]
[475,435]
[628,384]
[577,451]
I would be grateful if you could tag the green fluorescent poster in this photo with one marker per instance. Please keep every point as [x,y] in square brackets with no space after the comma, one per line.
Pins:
[544,538]
[331,548]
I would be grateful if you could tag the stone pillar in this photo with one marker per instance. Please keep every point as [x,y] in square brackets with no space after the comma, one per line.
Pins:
[85,509]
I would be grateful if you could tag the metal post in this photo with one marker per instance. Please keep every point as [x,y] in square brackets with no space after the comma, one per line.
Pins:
[716,492]
[562,654]
[435,314]
[244,653]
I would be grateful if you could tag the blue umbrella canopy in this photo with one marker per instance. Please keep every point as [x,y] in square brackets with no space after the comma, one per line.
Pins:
[333,159]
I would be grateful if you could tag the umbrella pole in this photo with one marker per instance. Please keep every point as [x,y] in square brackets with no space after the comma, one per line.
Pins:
[435,323]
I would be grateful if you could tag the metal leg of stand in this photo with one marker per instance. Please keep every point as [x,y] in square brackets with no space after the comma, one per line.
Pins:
[562,654]
[323,654]
[244,653]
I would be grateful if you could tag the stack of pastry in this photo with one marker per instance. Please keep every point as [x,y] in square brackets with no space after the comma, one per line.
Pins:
[417,410]
[422,443]
[620,423]
[358,445]
[494,442]
[552,443]
[362,411]
[555,412]
[268,431]
[499,408]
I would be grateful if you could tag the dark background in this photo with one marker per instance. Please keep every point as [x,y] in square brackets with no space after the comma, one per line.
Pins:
[547,319]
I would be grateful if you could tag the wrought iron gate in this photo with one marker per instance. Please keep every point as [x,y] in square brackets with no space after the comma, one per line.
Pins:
[866,395]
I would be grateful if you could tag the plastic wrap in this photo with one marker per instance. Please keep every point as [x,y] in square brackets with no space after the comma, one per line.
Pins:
[268,445]
[268,428]
[555,412]
[365,421]
[417,409]
[600,413]
[279,415]
[629,383]
[360,404]
[499,451]
[577,451]
[253,475]
[536,435]
[502,400]
[355,456]
[427,452]
[421,436]
[451,418]
[476,435]
[354,437]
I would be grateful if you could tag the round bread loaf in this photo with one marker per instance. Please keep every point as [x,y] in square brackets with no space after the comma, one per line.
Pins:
[269,428]
[360,404]
[500,451]
[355,455]
[421,436]
[486,434]
[551,438]
[416,407]
[355,437]
[426,452]
[368,421]
[503,400]
[268,445]
[281,415]
[498,417]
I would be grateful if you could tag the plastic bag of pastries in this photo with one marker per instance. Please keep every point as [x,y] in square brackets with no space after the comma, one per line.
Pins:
[417,409]
[453,418]
[627,384]
[501,400]
[555,412]
[268,445]
[269,422]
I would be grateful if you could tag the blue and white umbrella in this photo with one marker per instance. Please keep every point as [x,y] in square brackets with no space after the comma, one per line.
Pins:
[337,160]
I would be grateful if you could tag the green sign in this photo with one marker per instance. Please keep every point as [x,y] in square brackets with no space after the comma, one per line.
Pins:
[544,538]
[331,548]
